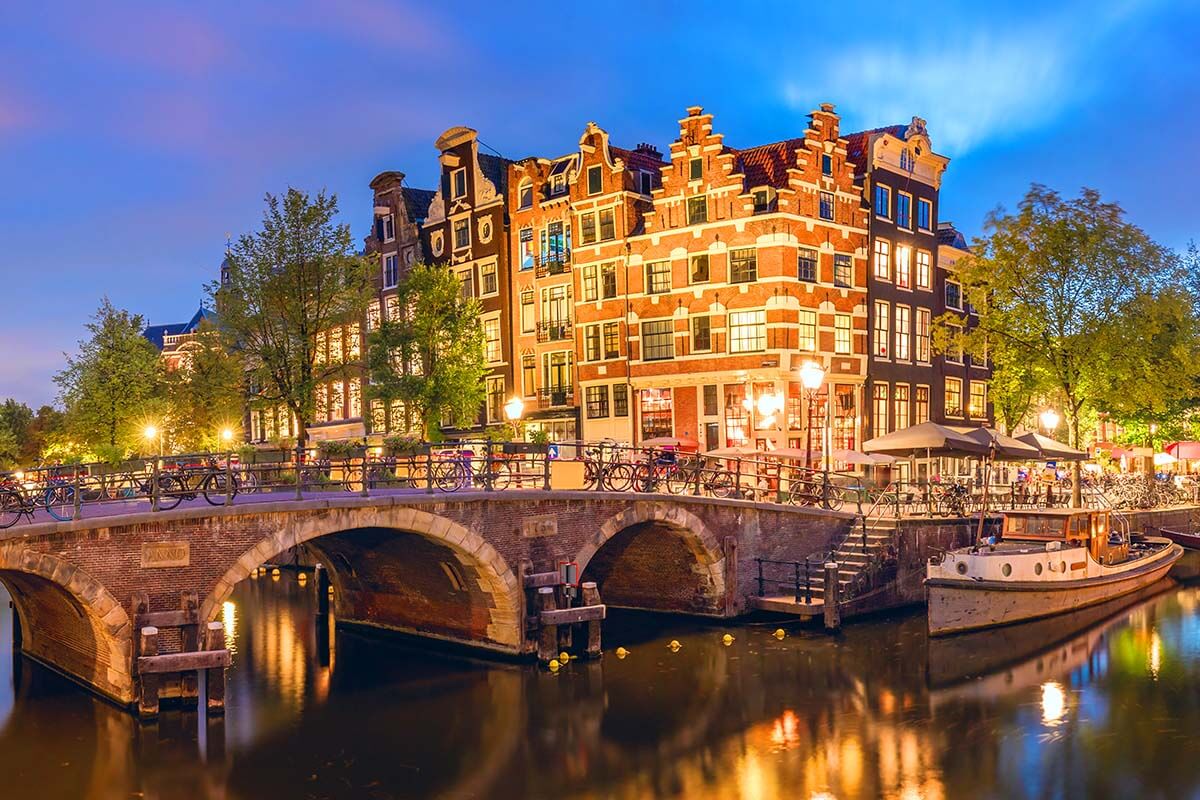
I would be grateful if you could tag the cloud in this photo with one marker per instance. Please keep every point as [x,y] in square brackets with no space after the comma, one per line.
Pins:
[173,40]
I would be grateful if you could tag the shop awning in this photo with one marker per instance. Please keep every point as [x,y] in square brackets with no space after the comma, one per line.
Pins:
[1184,451]
[1052,450]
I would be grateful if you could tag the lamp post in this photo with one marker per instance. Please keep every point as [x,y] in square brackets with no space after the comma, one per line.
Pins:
[513,410]
[812,375]
[1153,430]
[1049,419]
[151,432]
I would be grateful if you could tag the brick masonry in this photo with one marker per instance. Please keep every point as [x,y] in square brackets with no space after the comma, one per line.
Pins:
[440,566]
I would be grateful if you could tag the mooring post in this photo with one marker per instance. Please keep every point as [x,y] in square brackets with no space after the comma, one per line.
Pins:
[591,597]
[214,678]
[149,681]
[189,634]
[547,634]
[322,581]
[833,611]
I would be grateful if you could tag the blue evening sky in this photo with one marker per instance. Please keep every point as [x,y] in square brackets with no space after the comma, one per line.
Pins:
[133,136]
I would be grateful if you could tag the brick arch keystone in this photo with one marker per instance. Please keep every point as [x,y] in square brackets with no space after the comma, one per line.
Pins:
[496,578]
[702,541]
[108,618]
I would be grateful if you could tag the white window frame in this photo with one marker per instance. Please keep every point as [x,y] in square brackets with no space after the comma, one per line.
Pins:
[454,176]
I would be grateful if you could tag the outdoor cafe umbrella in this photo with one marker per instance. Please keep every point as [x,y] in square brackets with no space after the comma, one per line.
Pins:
[1052,450]
[1184,451]
[739,451]
[1006,447]
[682,442]
[926,439]
[855,457]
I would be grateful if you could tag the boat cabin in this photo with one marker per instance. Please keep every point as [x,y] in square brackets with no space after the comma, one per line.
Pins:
[1073,527]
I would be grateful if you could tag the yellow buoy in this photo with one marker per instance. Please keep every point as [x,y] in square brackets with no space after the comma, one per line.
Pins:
[622,652]
[779,633]
[564,656]
[554,664]
[727,640]
[275,571]
[274,574]
[674,645]
[331,591]
[303,577]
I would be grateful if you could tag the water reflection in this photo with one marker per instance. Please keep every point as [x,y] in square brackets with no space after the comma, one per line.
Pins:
[1102,705]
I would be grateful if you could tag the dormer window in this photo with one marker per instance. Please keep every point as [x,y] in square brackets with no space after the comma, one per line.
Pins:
[764,200]
[525,194]
[646,182]
[906,160]
[458,183]
[558,185]
[595,180]
[695,169]
[826,164]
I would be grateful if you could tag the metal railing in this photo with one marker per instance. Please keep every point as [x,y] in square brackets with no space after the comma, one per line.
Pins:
[555,330]
[555,397]
[552,263]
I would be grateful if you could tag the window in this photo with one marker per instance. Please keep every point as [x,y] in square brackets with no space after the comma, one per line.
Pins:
[337,408]
[826,164]
[391,273]
[587,231]
[591,288]
[954,350]
[978,399]
[658,277]
[923,271]
[608,280]
[525,194]
[556,306]
[373,315]
[806,265]
[391,308]
[904,267]
[743,265]
[695,169]
[487,279]
[699,268]
[529,375]
[882,313]
[900,406]
[658,340]
[701,334]
[656,412]
[808,330]
[646,182]
[596,401]
[556,374]
[466,279]
[527,322]
[353,341]
[953,397]
[495,398]
[904,210]
[620,400]
[556,245]
[924,214]
[843,270]
[595,180]
[906,160]
[826,207]
[388,227]
[462,234]
[879,398]
[608,225]
[491,339]
[526,237]
[883,260]
[883,201]
[710,400]
[458,183]
[558,182]
[591,343]
[842,334]
[921,405]
[747,331]
[923,318]
[953,295]
[902,332]
[612,340]
[697,210]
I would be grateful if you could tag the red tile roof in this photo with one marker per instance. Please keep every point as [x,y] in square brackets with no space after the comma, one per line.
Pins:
[856,143]
[767,164]
[637,159]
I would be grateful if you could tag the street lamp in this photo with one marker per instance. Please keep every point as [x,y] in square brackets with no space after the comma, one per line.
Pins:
[227,436]
[513,410]
[151,433]
[1049,419]
[812,375]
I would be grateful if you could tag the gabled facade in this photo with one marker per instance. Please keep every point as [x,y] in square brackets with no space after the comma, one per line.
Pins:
[175,340]
[964,379]
[467,230]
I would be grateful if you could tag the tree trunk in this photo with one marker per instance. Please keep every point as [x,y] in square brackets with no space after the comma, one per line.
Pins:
[1076,471]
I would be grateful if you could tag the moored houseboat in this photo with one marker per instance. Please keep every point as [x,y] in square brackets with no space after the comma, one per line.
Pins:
[1046,562]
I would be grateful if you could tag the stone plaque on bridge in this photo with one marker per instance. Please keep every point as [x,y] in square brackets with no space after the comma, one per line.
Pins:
[166,554]
[539,526]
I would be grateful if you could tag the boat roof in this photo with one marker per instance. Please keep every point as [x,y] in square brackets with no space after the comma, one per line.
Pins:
[1052,512]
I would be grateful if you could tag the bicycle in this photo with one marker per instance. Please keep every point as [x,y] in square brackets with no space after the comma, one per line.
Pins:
[22,500]
[953,500]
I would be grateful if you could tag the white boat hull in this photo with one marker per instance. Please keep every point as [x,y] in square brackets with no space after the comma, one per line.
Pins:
[957,605]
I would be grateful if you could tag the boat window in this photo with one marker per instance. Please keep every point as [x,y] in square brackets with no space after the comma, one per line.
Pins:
[1037,568]
[1037,526]
[1006,570]
[1079,526]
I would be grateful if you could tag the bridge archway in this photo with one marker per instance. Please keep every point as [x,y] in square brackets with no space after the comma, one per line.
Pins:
[69,620]
[400,568]
[659,557]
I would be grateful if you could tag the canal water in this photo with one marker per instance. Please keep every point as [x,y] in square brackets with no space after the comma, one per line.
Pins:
[1102,706]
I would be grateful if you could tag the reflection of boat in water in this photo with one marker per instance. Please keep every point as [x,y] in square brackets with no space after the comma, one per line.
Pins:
[1188,567]
[955,659]
[1049,562]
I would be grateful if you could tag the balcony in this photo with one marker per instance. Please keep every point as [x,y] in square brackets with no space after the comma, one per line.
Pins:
[552,263]
[556,396]
[556,330]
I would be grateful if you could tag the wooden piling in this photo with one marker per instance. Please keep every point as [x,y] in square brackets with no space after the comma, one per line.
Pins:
[548,634]
[591,597]
[322,581]
[189,634]
[833,611]
[149,682]
[214,639]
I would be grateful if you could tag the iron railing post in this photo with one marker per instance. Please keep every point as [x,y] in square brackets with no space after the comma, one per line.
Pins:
[737,479]
[546,468]
[154,488]
[428,469]
[796,581]
[299,472]
[365,491]
[825,488]
[77,498]
[488,483]
[229,479]
[807,583]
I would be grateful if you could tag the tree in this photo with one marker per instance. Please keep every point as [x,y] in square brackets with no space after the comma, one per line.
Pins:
[113,385]
[1070,290]
[206,394]
[284,286]
[432,359]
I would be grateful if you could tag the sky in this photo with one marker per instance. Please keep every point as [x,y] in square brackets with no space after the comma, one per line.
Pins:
[135,136]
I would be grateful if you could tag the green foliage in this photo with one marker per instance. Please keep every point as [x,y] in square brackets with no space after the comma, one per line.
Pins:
[205,395]
[338,449]
[10,449]
[540,436]
[286,283]
[403,445]
[113,386]
[433,358]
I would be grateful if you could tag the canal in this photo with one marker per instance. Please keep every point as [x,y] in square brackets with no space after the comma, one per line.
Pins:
[1110,710]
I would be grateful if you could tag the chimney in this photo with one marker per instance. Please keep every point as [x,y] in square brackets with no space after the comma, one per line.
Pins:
[648,149]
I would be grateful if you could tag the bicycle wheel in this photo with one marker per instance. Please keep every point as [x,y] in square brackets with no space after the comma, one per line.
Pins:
[60,502]
[502,476]
[170,492]
[835,498]
[214,488]
[679,480]
[11,508]
[450,476]
[246,481]
[643,478]
[618,477]
[118,487]
[720,485]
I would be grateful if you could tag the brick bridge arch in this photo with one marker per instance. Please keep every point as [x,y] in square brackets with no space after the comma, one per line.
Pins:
[495,579]
[56,602]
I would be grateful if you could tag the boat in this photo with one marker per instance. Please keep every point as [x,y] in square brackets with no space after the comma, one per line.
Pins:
[1046,562]
[1188,568]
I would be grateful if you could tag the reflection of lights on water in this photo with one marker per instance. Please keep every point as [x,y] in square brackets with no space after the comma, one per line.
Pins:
[1054,702]
[786,730]
[750,780]
[851,762]
[1155,654]
[822,796]
[229,620]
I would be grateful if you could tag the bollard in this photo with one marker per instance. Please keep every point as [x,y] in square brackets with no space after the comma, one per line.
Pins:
[189,634]
[214,678]
[833,613]
[149,682]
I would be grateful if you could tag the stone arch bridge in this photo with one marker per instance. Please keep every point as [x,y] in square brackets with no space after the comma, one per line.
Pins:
[455,567]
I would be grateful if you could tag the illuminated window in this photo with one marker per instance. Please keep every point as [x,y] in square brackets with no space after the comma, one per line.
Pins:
[923,271]
[747,331]
[491,340]
[879,401]
[699,268]
[954,397]
[658,277]
[921,405]
[883,260]
[903,267]
[900,406]
[978,399]
[882,314]
[842,333]
[902,332]
[808,330]
[923,316]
